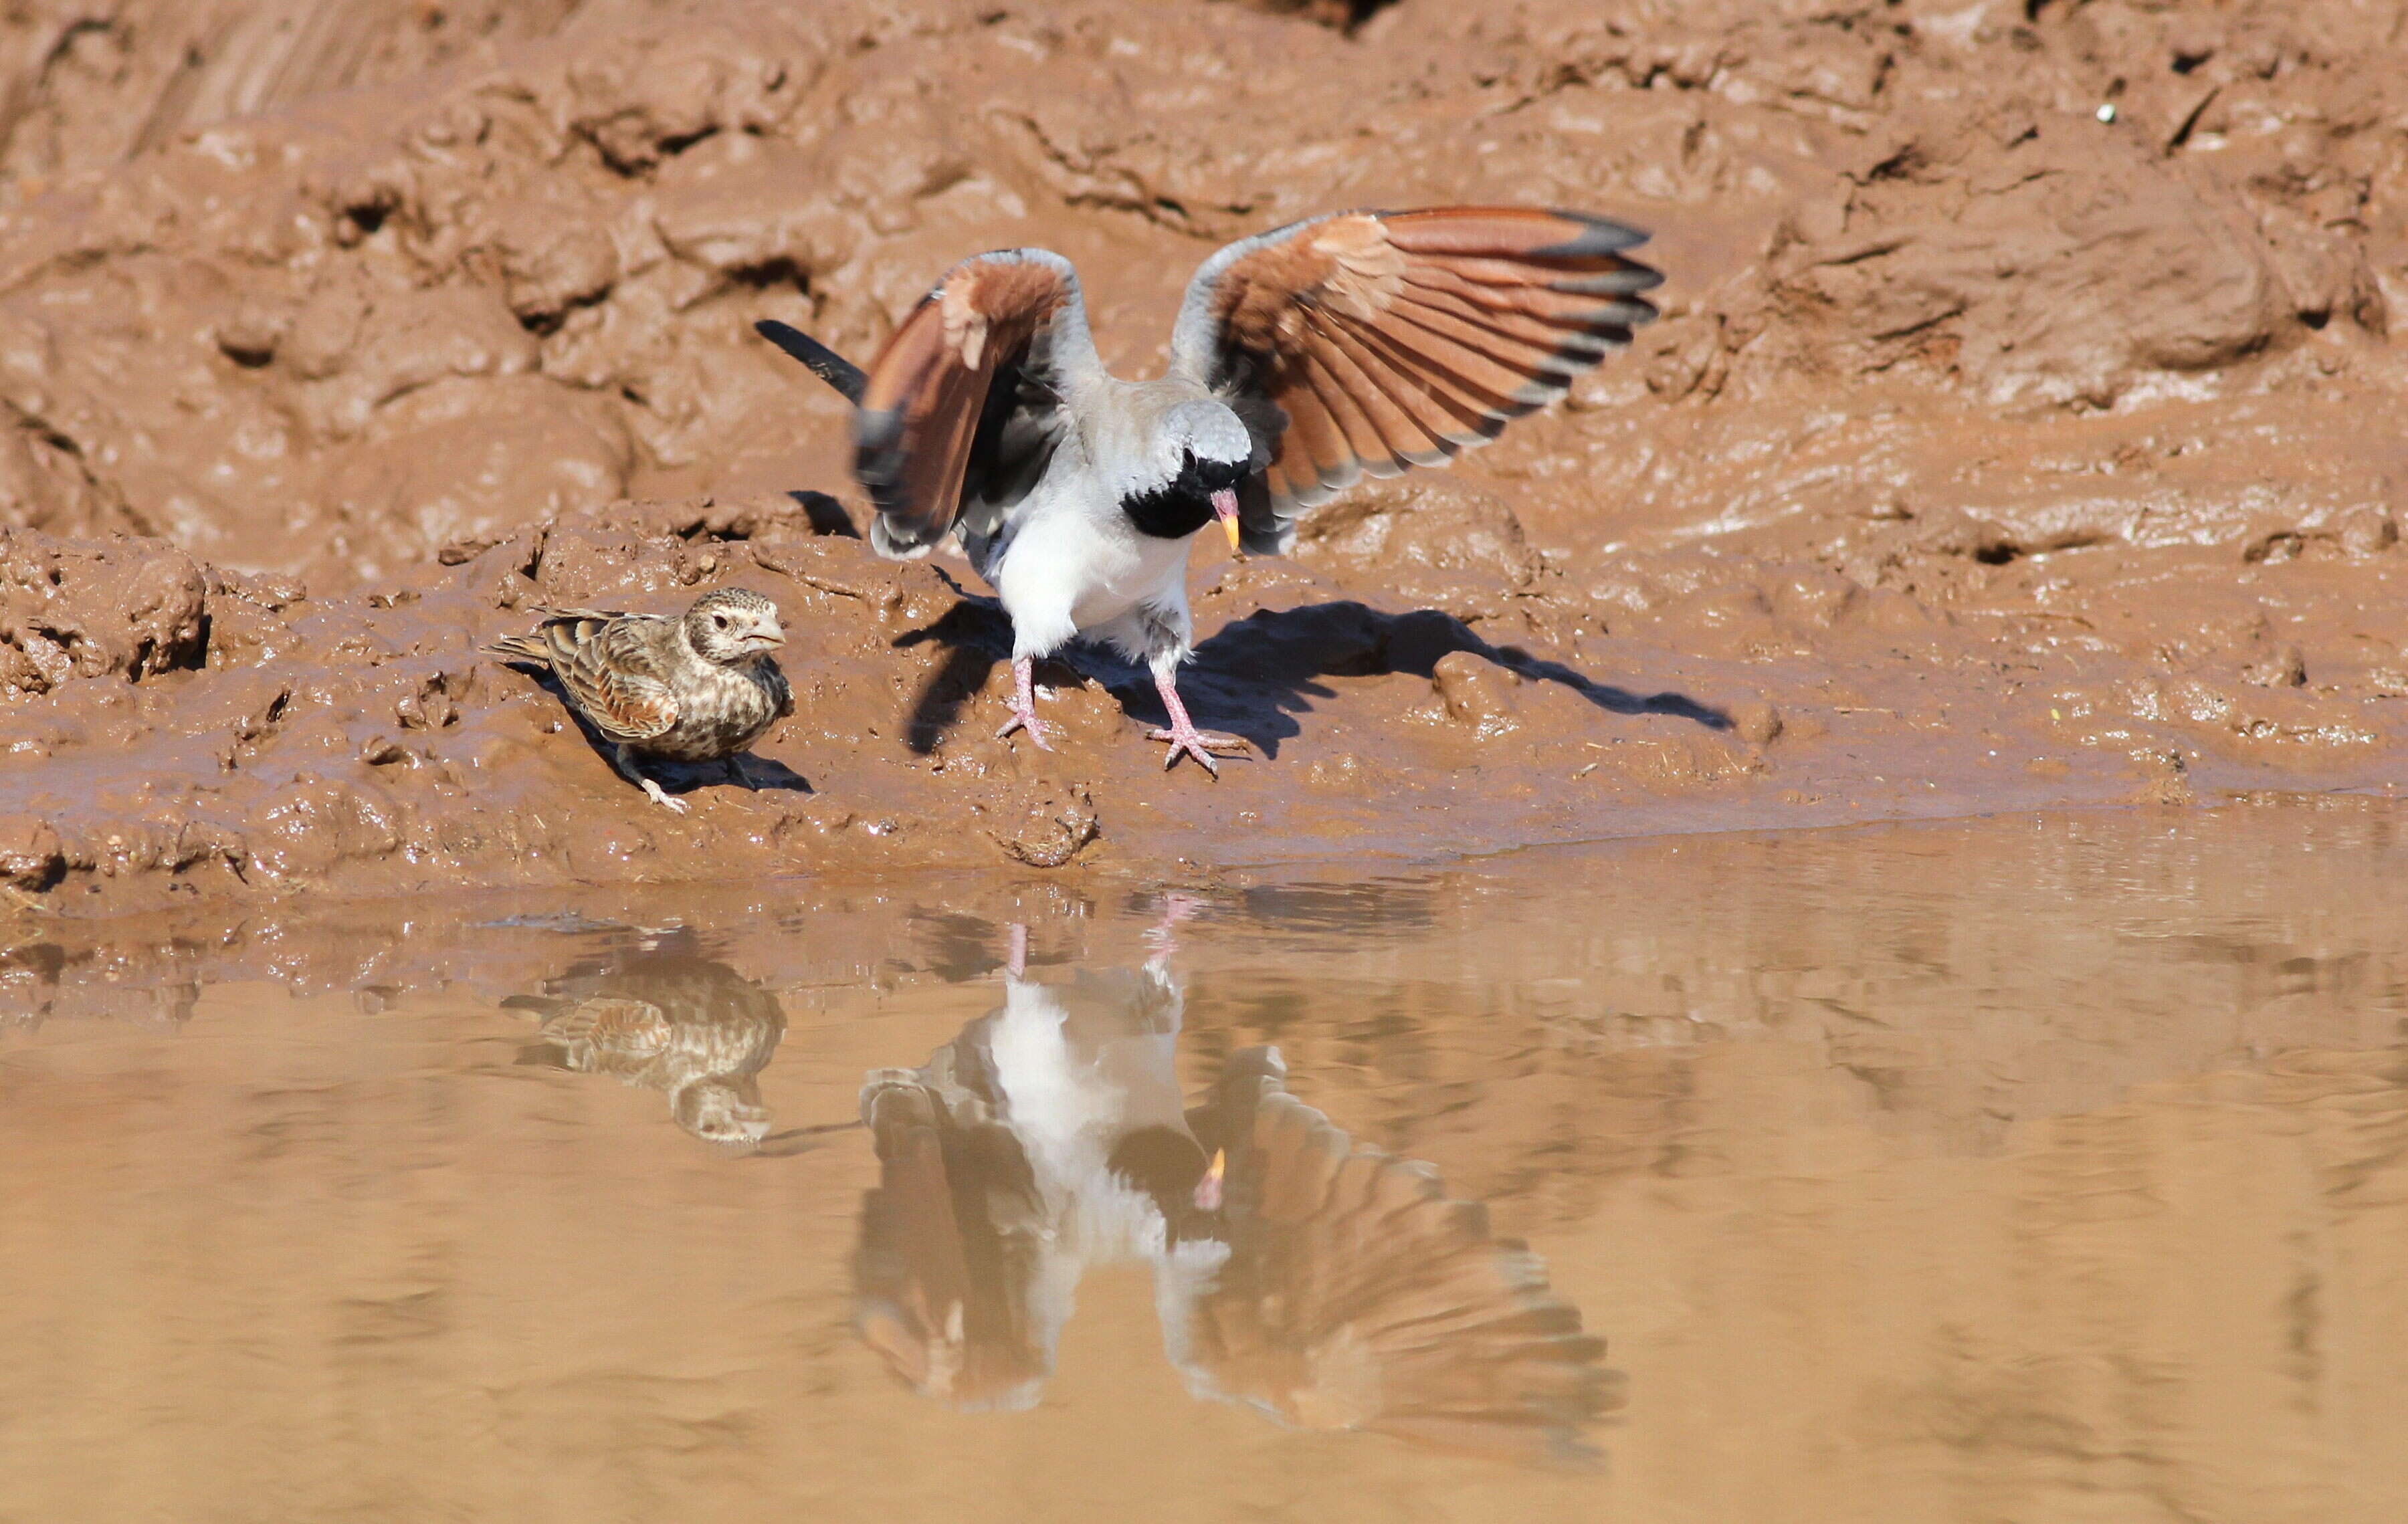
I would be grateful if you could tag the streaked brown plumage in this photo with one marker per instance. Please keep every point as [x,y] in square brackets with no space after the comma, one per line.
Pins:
[667,1019]
[1361,343]
[701,688]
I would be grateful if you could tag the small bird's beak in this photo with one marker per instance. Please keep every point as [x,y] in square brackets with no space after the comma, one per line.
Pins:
[1225,507]
[1208,1190]
[771,635]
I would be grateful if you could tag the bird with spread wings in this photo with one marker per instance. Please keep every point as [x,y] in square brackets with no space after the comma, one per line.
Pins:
[1326,1284]
[1301,360]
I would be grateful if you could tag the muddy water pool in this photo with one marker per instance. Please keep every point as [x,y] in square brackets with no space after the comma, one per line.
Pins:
[2032,1168]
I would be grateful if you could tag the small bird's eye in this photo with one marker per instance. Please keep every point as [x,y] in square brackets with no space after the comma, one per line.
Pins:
[719,619]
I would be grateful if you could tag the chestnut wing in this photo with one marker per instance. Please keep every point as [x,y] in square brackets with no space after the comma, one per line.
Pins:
[1386,340]
[1358,1295]
[962,404]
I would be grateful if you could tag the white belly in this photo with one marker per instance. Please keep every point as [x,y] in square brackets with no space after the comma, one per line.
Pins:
[1067,571]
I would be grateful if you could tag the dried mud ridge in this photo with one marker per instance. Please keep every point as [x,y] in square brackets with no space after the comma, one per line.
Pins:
[1989,453]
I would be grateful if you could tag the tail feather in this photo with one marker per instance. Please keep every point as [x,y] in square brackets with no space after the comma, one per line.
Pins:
[829,366]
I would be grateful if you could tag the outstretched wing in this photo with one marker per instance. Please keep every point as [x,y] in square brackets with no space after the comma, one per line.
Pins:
[948,1240]
[609,666]
[1396,340]
[1357,1295]
[962,406]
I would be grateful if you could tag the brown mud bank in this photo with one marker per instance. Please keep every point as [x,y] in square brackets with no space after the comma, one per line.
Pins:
[1995,450]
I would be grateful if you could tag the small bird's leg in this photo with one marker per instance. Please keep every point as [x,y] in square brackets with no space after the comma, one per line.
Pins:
[624,758]
[1016,959]
[1184,738]
[741,774]
[1023,703]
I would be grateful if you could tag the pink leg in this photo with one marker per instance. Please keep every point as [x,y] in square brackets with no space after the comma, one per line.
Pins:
[1023,703]
[1016,960]
[1176,906]
[1184,738]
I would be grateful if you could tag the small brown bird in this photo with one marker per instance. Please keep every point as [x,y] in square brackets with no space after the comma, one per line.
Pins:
[699,688]
[664,1017]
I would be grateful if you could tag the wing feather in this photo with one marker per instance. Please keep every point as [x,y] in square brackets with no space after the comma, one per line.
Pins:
[612,672]
[1410,433]
[1402,339]
[1432,433]
[1364,437]
[1358,1295]
[608,664]
[945,408]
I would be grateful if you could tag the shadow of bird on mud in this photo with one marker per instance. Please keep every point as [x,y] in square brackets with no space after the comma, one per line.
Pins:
[1256,673]
[675,777]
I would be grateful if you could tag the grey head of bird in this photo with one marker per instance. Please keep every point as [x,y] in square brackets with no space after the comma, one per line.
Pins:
[733,626]
[1199,455]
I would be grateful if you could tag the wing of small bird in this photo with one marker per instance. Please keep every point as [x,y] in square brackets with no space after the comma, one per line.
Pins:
[610,665]
[962,409]
[1384,340]
[1357,1295]
[605,1024]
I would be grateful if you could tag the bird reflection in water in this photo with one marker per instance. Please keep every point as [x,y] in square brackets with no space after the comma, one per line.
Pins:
[664,1018]
[1330,1286]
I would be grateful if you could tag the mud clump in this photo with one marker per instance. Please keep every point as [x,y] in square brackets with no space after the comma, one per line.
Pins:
[1993,449]
[72,609]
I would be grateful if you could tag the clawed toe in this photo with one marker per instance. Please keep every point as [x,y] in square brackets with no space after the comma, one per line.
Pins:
[660,796]
[1199,745]
[1227,746]
[1029,722]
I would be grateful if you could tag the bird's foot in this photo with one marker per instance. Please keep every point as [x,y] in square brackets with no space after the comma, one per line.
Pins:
[1023,703]
[1187,741]
[1023,717]
[654,793]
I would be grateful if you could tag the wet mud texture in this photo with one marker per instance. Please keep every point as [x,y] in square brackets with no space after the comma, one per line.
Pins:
[1988,453]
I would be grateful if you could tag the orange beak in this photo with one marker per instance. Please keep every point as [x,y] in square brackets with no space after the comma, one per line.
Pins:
[1225,507]
[1208,1190]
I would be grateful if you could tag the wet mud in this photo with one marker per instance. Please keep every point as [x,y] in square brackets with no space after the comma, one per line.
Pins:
[2007,438]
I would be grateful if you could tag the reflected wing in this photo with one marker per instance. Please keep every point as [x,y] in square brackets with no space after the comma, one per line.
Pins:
[947,1243]
[609,665]
[961,403]
[1396,340]
[605,1024]
[1357,1296]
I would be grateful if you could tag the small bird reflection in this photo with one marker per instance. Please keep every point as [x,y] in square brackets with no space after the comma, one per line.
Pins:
[664,1017]
[1328,1286]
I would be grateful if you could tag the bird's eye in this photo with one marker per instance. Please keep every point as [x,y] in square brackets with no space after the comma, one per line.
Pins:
[719,619]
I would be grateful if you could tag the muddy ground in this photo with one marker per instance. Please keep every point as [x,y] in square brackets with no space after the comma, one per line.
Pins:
[2017,431]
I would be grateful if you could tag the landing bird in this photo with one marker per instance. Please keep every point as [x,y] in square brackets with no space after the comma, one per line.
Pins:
[1326,1284]
[1302,359]
[702,688]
